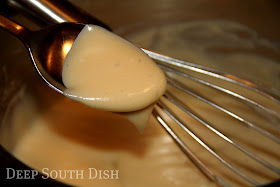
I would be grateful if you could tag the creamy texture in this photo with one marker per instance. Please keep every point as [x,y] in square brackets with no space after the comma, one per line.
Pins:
[57,133]
[79,138]
[107,72]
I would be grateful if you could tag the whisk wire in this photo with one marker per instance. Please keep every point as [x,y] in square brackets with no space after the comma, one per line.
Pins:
[176,84]
[164,60]
[203,144]
[200,165]
[226,91]
[186,109]
[174,66]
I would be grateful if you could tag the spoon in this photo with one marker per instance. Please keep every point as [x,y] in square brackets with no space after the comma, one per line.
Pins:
[47,47]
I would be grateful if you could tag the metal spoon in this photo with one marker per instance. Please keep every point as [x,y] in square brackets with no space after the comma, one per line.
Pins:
[47,47]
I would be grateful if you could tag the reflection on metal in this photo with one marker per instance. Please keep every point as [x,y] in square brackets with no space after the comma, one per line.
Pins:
[48,11]
[66,47]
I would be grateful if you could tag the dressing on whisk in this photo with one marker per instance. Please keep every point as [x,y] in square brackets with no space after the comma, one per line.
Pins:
[107,72]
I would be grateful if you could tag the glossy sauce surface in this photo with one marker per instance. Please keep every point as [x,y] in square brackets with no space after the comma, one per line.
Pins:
[107,72]
[78,137]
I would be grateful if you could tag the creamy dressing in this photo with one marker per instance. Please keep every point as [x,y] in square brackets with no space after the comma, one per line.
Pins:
[60,134]
[107,72]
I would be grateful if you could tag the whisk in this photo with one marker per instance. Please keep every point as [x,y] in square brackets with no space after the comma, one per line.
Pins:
[254,108]
[175,68]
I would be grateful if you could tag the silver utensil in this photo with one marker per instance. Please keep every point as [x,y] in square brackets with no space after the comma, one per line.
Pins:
[47,47]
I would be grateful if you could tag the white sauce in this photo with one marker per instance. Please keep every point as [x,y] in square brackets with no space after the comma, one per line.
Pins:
[57,133]
[106,72]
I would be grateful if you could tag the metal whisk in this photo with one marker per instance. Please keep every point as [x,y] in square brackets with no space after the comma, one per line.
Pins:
[170,104]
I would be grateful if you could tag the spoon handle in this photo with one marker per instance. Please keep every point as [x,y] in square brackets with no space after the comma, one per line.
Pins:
[49,12]
[14,28]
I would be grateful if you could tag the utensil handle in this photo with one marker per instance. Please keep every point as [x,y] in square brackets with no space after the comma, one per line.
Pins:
[14,28]
[53,11]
